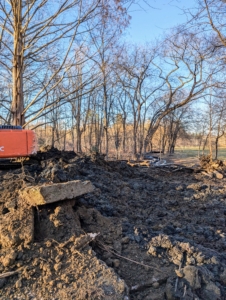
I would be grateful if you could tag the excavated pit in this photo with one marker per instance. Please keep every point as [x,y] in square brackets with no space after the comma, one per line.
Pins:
[143,233]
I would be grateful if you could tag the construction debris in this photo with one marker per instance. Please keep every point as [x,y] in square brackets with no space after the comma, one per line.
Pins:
[140,234]
[209,164]
[45,194]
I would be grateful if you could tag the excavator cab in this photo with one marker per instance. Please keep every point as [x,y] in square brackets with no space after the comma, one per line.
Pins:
[17,142]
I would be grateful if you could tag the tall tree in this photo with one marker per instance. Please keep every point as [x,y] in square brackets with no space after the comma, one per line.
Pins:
[113,18]
[185,67]
[32,33]
[137,78]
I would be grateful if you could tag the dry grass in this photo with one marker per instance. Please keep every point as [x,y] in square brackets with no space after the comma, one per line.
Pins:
[194,152]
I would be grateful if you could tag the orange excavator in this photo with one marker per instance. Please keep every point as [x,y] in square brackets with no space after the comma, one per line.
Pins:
[17,142]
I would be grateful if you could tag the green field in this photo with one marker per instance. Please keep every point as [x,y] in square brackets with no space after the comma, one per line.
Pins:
[194,152]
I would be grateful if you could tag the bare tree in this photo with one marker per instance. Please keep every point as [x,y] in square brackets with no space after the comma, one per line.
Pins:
[210,16]
[185,79]
[32,33]
[113,18]
[176,122]
[136,77]
[214,108]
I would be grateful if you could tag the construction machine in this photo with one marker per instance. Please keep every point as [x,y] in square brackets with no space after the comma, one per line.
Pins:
[17,142]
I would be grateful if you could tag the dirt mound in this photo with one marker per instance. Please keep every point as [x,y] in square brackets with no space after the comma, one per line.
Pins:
[142,234]
[49,152]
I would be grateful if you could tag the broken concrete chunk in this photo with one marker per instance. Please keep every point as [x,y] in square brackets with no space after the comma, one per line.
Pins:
[40,195]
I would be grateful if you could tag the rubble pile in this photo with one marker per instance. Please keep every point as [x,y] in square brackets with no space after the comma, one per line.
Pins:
[79,227]
[212,167]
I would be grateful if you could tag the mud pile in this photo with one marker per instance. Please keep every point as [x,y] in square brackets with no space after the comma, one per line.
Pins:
[142,234]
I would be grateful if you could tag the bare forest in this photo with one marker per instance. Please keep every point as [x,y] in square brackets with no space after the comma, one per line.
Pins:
[68,73]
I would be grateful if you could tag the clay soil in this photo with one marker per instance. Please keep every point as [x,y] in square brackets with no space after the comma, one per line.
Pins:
[144,233]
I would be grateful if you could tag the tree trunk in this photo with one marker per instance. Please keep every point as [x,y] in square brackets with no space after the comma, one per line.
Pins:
[149,136]
[65,136]
[79,140]
[53,135]
[134,139]
[100,136]
[17,101]
[90,134]
[204,144]
[105,107]
[210,144]
[216,145]
[72,131]
[124,135]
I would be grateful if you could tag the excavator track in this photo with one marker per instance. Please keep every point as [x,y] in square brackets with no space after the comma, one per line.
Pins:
[7,164]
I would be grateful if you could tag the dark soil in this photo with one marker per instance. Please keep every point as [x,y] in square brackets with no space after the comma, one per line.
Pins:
[161,232]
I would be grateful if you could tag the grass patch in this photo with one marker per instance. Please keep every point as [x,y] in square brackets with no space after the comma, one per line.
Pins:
[194,152]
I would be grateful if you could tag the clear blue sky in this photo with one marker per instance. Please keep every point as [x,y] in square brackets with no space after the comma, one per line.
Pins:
[148,23]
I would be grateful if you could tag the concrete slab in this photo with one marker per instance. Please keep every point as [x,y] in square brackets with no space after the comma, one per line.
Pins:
[44,194]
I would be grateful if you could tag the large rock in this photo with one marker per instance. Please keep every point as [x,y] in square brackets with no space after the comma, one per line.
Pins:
[44,194]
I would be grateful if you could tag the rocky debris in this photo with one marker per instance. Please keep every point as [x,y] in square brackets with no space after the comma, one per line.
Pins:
[153,282]
[44,194]
[214,174]
[199,270]
[209,164]
[197,283]
[161,236]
